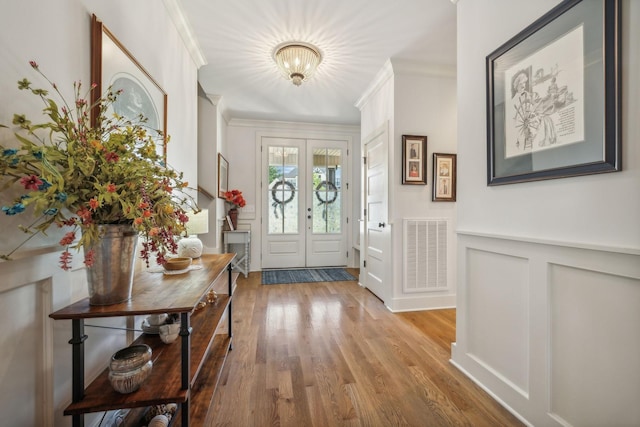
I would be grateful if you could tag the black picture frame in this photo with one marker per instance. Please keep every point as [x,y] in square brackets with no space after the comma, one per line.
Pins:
[414,160]
[445,171]
[554,96]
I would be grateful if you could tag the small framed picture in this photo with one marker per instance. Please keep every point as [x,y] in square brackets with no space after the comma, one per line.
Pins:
[414,165]
[444,177]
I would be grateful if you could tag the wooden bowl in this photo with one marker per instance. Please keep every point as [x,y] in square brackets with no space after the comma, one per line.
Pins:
[177,263]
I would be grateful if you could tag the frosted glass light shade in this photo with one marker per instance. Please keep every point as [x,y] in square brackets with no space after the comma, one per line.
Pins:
[297,61]
[198,222]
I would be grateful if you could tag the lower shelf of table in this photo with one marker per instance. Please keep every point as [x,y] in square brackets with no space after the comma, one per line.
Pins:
[203,390]
[164,383]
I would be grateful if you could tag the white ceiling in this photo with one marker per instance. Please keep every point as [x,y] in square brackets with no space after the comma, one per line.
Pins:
[356,38]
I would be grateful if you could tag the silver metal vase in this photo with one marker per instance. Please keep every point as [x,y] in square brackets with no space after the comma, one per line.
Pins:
[111,276]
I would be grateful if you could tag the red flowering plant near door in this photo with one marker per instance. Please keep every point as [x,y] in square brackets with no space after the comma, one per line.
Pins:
[235,199]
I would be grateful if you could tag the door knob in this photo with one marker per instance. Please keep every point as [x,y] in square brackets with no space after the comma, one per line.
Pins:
[381,224]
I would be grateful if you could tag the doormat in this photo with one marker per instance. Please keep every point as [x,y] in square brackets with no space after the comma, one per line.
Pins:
[305,275]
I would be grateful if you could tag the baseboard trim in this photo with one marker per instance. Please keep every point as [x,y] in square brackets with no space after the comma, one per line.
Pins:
[435,302]
[490,393]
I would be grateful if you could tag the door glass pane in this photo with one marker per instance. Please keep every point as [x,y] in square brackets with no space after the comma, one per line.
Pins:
[327,190]
[282,191]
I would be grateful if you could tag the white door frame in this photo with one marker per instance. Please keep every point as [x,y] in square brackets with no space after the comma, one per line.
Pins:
[343,135]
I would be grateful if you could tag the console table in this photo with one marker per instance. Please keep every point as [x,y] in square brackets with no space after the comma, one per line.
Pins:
[239,237]
[185,372]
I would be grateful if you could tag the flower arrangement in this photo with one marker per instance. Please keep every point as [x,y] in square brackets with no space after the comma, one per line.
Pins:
[235,199]
[80,175]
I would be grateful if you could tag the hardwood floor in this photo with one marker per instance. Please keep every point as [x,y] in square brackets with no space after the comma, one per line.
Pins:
[330,354]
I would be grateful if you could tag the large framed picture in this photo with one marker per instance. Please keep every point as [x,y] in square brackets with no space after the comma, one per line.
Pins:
[414,163]
[113,66]
[553,96]
[223,176]
[444,177]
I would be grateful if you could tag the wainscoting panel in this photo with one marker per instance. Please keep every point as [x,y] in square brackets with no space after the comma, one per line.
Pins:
[35,356]
[498,320]
[23,356]
[584,306]
[550,329]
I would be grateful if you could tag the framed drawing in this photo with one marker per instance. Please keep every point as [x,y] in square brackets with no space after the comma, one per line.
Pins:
[444,177]
[113,66]
[553,96]
[414,165]
[223,176]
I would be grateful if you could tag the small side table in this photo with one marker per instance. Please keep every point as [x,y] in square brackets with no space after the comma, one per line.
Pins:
[239,237]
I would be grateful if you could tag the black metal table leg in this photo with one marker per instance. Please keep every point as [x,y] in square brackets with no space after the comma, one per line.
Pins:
[78,338]
[185,333]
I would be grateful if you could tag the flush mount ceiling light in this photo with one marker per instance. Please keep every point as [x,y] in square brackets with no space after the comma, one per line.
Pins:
[297,61]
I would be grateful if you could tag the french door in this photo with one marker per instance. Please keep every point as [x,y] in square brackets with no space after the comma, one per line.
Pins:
[303,211]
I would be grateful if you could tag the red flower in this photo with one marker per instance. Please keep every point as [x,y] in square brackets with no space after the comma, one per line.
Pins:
[68,239]
[90,258]
[94,204]
[112,157]
[111,188]
[65,261]
[84,214]
[31,182]
[235,198]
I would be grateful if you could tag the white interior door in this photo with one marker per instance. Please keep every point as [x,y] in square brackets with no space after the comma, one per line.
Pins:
[303,213]
[376,231]
[326,204]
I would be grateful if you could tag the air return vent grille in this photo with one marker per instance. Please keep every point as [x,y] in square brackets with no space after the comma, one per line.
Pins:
[425,255]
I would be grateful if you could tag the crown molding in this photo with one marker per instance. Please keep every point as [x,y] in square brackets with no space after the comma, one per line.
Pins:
[215,99]
[403,66]
[280,125]
[395,66]
[218,101]
[183,26]
[385,73]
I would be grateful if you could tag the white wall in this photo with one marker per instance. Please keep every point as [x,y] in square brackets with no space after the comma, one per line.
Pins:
[571,210]
[210,125]
[413,99]
[549,271]
[377,103]
[35,367]
[424,104]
